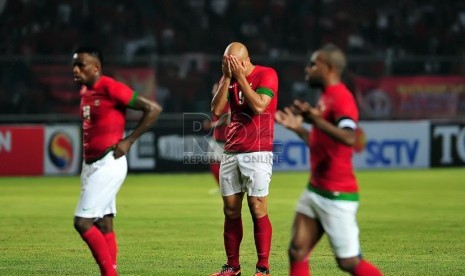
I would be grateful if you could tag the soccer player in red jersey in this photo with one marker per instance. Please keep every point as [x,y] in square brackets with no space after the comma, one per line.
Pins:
[246,165]
[103,105]
[330,202]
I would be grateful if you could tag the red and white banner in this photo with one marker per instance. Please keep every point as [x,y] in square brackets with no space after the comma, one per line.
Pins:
[421,97]
[21,150]
[39,150]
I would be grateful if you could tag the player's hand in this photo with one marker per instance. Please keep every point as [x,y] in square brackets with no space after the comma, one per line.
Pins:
[309,113]
[226,68]
[121,148]
[288,119]
[238,68]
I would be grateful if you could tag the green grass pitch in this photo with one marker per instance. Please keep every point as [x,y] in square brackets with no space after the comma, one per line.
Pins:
[412,222]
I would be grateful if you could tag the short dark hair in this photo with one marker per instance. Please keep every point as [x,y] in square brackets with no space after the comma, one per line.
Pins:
[335,57]
[91,51]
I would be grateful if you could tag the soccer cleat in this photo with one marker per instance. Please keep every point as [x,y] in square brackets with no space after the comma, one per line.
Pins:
[262,271]
[227,270]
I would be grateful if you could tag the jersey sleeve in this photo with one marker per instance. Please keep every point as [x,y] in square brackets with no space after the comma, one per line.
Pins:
[345,111]
[268,83]
[122,94]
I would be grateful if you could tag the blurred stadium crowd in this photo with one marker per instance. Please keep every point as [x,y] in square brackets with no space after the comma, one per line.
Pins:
[198,31]
[269,27]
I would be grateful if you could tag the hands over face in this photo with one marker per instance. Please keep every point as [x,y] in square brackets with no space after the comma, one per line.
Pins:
[226,67]
[236,68]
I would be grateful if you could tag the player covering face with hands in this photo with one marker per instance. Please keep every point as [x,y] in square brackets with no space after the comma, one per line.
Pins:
[246,165]
[330,201]
[103,105]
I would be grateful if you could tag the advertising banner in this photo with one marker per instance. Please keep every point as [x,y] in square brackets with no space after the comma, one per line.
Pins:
[420,97]
[448,145]
[174,145]
[21,150]
[183,146]
[379,145]
[62,149]
[392,145]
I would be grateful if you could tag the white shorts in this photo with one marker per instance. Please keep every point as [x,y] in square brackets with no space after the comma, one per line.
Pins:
[100,182]
[246,172]
[338,218]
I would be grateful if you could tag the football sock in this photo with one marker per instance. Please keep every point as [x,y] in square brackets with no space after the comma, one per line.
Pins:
[365,268]
[110,238]
[215,170]
[262,234]
[97,244]
[232,239]
[300,268]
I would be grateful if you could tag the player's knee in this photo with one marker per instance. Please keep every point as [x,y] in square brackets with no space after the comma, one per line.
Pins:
[257,210]
[82,225]
[296,253]
[347,264]
[105,224]
[104,228]
[232,211]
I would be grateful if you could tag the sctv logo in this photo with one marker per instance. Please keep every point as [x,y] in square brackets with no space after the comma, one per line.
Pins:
[387,152]
[391,152]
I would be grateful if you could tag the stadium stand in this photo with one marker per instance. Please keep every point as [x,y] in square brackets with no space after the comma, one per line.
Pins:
[159,33]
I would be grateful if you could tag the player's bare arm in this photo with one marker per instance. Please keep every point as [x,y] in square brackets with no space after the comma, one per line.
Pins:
[314,116]
[220,98]
[257,102]
[293,122]
[222,121]
[343,135]
[151,110]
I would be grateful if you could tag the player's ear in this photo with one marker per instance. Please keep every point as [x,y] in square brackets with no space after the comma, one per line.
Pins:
[96,69]
[330,66]
[246,62]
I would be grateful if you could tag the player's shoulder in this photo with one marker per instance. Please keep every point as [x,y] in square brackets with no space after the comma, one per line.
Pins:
[106,80]
[265,69]
[340,91]
[267,73]
[105,83]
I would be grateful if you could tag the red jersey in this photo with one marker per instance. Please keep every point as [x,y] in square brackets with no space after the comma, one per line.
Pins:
[103,112]
[331,161]
[247,131]
[219,132]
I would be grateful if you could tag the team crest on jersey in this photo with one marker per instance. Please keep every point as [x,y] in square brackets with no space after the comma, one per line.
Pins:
[86,112]
[97,103]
